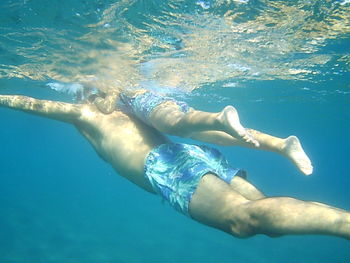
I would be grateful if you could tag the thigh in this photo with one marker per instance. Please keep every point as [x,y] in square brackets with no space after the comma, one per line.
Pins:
[217,204]
[246,189]
[166,116]
[168,111]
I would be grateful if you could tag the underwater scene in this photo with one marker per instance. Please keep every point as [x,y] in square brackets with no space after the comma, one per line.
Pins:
[284,65]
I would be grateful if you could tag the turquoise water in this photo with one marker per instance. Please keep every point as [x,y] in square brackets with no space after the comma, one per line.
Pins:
[283,64]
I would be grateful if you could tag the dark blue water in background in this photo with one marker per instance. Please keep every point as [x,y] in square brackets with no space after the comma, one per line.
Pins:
[61,203]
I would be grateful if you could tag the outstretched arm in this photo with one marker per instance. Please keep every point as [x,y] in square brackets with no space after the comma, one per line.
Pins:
[61,111]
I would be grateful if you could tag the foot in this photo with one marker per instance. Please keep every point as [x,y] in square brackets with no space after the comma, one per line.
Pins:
[296,154]
[230,120]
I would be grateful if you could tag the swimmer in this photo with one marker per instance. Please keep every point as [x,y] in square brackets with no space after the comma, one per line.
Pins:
[174,117]
[197,181]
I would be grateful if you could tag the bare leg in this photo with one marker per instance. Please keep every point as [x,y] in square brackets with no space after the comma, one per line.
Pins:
[289,147]
[286,215]
[168,117]
[215,204]
[247,190]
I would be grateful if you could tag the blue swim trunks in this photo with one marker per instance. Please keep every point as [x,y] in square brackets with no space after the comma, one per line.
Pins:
[143,104]
[174,171]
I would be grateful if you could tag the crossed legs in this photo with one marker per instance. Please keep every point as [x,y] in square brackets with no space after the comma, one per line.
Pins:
[217,204]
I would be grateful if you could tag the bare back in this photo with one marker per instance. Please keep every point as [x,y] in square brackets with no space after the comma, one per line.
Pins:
[121,140]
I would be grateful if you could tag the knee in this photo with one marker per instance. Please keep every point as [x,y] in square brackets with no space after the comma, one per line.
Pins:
[242,231]
[249,231]
[244,227]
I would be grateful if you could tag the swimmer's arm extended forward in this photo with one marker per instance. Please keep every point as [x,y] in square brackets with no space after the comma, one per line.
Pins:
[51,109]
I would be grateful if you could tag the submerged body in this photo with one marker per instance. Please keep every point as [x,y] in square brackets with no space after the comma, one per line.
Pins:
[235,207]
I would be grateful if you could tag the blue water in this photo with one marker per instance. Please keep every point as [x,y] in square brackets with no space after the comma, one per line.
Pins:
[61,203]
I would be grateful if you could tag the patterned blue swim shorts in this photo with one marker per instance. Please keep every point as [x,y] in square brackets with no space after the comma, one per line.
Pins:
[143,104]
[174,171]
